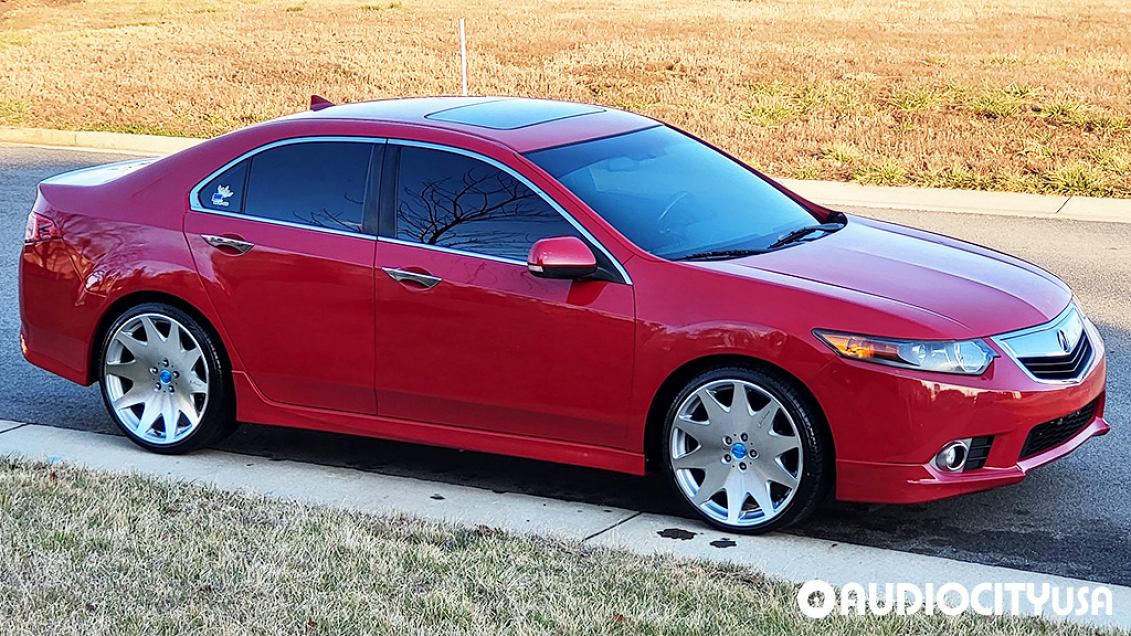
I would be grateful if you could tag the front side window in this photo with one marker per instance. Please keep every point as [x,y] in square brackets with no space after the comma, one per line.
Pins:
[455,201]
[672,195]
[321,184]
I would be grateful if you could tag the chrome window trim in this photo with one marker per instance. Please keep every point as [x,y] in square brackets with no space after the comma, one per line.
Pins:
[451,250]
[512,172]
[1069,312]
[194,194]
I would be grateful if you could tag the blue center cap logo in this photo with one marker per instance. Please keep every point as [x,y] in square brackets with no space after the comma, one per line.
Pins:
[739,451]
[166,376]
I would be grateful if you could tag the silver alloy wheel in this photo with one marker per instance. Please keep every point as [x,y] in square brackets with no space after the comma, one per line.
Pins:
[155,375]
[735,452]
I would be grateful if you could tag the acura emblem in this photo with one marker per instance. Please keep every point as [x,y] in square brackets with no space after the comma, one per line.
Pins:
[1062,338]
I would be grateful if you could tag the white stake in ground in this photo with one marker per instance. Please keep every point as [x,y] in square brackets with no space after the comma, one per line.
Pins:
[463,56]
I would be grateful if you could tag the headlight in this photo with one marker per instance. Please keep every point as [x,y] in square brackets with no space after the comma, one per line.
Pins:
[967,357]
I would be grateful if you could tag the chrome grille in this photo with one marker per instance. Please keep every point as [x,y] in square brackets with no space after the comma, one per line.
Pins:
[1066,367]
[1057,351]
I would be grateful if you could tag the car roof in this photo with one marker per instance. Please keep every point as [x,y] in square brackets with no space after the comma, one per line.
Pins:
[522,124]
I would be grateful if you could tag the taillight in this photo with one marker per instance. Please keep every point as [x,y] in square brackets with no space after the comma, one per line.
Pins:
[39,229]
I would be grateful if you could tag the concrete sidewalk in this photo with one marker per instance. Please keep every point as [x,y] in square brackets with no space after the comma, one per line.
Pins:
[833,193]
[795,559]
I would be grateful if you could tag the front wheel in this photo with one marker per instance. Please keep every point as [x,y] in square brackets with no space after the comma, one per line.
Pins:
[163,380]
[745,450]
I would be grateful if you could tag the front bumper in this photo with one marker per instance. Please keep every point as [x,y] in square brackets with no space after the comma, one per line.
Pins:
[888,424]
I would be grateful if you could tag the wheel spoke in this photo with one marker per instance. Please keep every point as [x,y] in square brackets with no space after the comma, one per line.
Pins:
[138,394]
[773,445]
[736,497]
[713,481]
[763,420]
[188,408]
[697,458]
[717,414]
[152,335]
[740,410]
[777,473]
[760,490]
[134,371]
[149,416]
[170,415]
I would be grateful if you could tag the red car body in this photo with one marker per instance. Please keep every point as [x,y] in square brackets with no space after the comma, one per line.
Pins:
[579,371]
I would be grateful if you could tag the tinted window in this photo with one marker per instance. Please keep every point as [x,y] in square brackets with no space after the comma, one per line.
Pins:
[225,192]
[673,195]
[455,201]
[317,183]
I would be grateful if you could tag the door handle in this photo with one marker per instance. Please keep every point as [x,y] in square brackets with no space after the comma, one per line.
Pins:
[221,242]
[402,276]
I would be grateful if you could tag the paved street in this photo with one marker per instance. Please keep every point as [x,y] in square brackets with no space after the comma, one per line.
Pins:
[1071,518]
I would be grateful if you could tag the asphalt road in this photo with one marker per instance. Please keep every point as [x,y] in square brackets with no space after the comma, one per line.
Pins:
[1070,518]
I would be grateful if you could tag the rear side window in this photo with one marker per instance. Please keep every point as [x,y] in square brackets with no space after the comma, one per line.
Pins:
[455,201]
[225,192]
[321,184]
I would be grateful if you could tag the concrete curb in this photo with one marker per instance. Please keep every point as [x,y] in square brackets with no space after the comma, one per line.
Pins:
[834,193]
[122,142]
[795,559]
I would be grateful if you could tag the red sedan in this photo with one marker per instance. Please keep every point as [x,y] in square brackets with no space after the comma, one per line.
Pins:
[556,281]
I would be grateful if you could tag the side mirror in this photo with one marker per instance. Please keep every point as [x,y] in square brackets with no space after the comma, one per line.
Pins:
[561,257]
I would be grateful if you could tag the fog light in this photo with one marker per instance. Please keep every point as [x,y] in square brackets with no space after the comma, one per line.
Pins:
[952,457]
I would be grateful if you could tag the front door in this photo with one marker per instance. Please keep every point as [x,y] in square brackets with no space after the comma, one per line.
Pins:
[466,336]
[280,242]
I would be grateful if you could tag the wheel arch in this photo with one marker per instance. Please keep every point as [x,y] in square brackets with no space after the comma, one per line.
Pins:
[671,386]
[133,299]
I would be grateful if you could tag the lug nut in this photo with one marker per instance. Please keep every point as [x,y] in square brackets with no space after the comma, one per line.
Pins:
[176,374]
[727,440]
[742,466]
[165,363]
[153,370]
[157,387]
[726,458]
[744,438]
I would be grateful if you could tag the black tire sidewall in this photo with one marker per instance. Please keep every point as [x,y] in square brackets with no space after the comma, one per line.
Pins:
[816,474]
[219,415]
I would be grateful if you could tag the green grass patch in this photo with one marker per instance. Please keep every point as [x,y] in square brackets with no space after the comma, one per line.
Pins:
[143,129]
[90,552]
[843,154]
[883,173]
[15,38]
[296,7]
[996,106]
[1078,179]
[14,112]
[916,99]
[382,6]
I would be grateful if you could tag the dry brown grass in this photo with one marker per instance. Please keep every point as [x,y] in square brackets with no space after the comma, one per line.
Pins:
[988,94]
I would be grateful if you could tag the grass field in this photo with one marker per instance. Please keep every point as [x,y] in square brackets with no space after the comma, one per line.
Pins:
[1028,95]
[94,553]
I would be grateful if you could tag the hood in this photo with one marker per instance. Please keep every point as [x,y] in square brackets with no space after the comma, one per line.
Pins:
[980,291]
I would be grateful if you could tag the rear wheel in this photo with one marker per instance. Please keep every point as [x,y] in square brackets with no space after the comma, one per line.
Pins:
[164,381]
[745,450]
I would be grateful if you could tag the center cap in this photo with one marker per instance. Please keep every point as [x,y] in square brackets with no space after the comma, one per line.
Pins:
[738,450]
[165,376]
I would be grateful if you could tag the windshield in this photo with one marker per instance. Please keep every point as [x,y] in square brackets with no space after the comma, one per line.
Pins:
[672,195]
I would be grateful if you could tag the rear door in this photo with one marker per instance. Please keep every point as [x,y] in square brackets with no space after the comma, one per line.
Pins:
[283,242]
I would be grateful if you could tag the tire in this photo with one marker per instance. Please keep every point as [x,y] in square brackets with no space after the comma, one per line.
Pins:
[776,460]
[157,364]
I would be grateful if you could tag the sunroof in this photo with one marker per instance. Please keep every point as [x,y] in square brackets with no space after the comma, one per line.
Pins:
[509,114]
